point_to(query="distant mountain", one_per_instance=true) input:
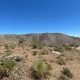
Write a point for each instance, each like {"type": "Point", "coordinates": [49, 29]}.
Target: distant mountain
{"type": "Point", "coordinates": [49, 39]}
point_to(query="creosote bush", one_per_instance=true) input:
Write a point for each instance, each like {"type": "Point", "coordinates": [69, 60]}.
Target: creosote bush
{"type": "Point", "coordinates": [61, 61]}
{"type": "Point", "coordinates": [35, 53]}
{"type": "Point", "coordinates": [58, 48]}
{"type": "Point", "coordinates": [40, 69]}
{"type": "Point", "coordinates": [36, 43]}
{"type": "Point", "coordinates": [67, 48]}
{"type": "Point", "coordinates": [3, 72]}
{"type": "Point", "coordinates": [5, 67]}
{"type": "Point", "coordinates": [62, 48]}
{"type": "Point", "coordinates": [67, 73]}
{"type": "Point", "coordinates": [44, 52]}
{"type": "Point", "coordinates": [8, 63]}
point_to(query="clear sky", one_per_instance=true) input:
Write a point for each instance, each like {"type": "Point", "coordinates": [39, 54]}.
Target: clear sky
{"type": "Point", "coordinates": [38, 16]}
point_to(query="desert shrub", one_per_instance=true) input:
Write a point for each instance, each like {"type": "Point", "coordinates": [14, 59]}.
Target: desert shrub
{"type": "Point", "coordinates": [58, 48]}
{"type": "Point", "coordinates": [6, 46]}
{"type": "Point", "coordinates": [26, 56]}
{"type": "Point", "coordinates": [8, 52]}
{"type": "Point", "coordinates": [67, 72]}
{"type": "Point", "coordinates": [5, 67]}
{"type": "Point", "coordinates": [3, 72]}
{"type": "Point", "coordinates": [8, 63]}
{"type": "Point", "coordinates": [21, 43]}
{"type": "Point", "coordinates": [44, 52]}
{"type": "Point", "coordinates": [61, 61]}
{"type": "Point", "coordinates": [36, 43]}
{"type": "Point", "coordinates": [62, 48]}
{"type": "Point", "coordinates": [75, 45]}
{"type": "Point", "coordinates": [18, 59]}
{"type": "Point", "coordinates": [34, 52]}
{"type": "Point", "coordinates": [34, 46]}
{"type": "Point", "coordinates": [40, 69]}
{"type": "Point", "coordinates": [61, 56]}
{"type": "Point", "coordinates": [63, 77]}
{"type": "Point", "coordinates": [12, 46]}
{"type": "Point", "coordinates": [51, 61]}
{"type": "Point", "coordinates": [49, 66]}
{"type": "Point", "coordinates": [66, 47]}
{"type": "Point", "coordinates": [19, 73]}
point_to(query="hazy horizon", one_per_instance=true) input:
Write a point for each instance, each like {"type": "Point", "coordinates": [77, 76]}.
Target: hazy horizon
{"type": "Point", "coordinates": [39, 33]}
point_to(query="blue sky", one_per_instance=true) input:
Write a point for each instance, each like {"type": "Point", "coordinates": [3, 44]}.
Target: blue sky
{"type": "Point", "coordinates": [39, 16]}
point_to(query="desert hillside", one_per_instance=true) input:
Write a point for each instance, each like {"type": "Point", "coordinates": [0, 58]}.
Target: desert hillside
{"type": "Point", "coordinates": [46, 56]}
{"type": "Point", "coordinates": [49, 39]}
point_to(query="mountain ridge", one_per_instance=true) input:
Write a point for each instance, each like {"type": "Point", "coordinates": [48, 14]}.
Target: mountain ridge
{"type": "Point", "coordinates": [47, 38]}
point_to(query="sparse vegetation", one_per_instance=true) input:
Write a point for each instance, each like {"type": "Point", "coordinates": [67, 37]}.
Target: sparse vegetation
{"type": "Point", "coordinates": [63, 77]}
{"type": "Point", "coordinates": [5, 67]}
{"type": "Point", "coordinates": [67, 72]}
{"type": "Point", "coordinates": [8, 63]}
{"type": "Point", "coordinates": [35, 59]}
{"type": "Point", "coordinates": [61, 61]}
{"type": "Point", "coordinates": [67, 47]}
{"type": "Point", "coordinates": [18, 59]}
{"type": "Point", "coordinates": [3, 72]}
{"type": "Point", "coordinates": [62, 48]}
{"type": "Point", "coordinates": [40, 69]}
{"type": "Point", "coordinates": [21, 43]}
{"type": "Point", "coordinates": [18, 73]}
{"type": "Point", "coordinates": [36, 43]}
{"type": "Point", "coordinates": [43, 52]}
{"type": "Point", "coordinates": [6, 46]}
{"type": "Point", "coordinates": [58, 48]}
{"type": "Point", "coordinates": [35, 52]}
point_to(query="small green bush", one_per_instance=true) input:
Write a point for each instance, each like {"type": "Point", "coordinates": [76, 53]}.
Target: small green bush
{"type": "Point", "coordinates": [49, 66]}
{"type": "Point", "coordinates": [3, 72]}
{"type": "Point", "coordinates": [12, 46]}
{"type": "Point", "coordinates": [44, 52]}
{"type": "Point", "coordinates": [6, 46]}
{"type": "Point", "coordinates": [5, 67]}
{"type": "Point", "coordinates": [62, 48]}
{"type": "Point", "coordinates": [8, 63]}
{"type": "Point", "coordinates": [58, 48]}
{"type": "Point", "coordinates": [36, 43]}
{"type": "Point", "coordinates": [67, 48]}
{"type": "Point", "coordinates": [40, 69]}
{"type": "Point", "coordinates": [34, 46]}
{"type": "Point", "coordinates": [67, 72]}
{"type": "Point", "coordinates": [61, 61]}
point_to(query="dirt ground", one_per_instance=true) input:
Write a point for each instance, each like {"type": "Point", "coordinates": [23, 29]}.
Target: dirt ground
{"type": "Point", "coordinates": [72, 62]}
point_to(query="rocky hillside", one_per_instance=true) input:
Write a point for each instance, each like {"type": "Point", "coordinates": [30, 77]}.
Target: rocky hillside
{"type": "Point", "coordinates": [38, 62]}
{"type": "Point", "coordinates": [48, 38]}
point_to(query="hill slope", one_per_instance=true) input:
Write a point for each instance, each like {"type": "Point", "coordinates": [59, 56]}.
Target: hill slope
{"type": "Point", "coordinates": [48, 38]}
